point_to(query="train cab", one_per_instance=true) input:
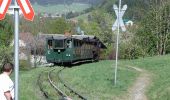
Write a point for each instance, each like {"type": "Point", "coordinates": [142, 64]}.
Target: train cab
{"type": "Point", "coordinates": [58, 50]}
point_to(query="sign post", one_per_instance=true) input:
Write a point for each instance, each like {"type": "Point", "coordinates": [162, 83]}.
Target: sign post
{"type": "Point", "coordinates": [16, 53]}
{"type": "Point", "coordinates": [28, 12]}
{"type": "Point", "coordinates": [118, 23]}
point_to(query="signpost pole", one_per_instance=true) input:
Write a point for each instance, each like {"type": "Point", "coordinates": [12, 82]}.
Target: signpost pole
{"type": "Point", "coordinates": [16, 16]}
{"type": "Point", "coordinates": [117, 41]}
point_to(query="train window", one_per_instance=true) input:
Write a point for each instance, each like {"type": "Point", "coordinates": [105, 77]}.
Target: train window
{"type": "Point", "coordinates": [75, 43]}
{"type": "Point", "coordinates": [78, 43]}
{"type": "Point", "coordinates": [69, 44]}
{"type": "Point", "coordinates": [50, 44]}
{"type": "Point", "coordinates": [59, 44]}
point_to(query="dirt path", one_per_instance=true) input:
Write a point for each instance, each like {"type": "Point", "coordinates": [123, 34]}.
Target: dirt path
{"type": "Point", "coordinates": [137, 91]}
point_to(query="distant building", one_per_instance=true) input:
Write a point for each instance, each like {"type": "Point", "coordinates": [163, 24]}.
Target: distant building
{"type": "Point", "coordinates": [129, 23]}
{"type": "Point", "coordinates": [56, 15]}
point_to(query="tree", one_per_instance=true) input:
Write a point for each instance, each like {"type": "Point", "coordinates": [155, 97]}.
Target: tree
{"type": "Point", "coordinates": [153, 35]}
{"type": "Point", "coordinates": [59, 26]}
{"type": "Point", "coordinates": [6, 31]}
{"type": "Point", "coordinates": [6, 34]}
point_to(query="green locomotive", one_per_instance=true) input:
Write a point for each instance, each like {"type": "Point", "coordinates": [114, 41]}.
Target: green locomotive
{"type": "Point", "coordinates": [61, 49]}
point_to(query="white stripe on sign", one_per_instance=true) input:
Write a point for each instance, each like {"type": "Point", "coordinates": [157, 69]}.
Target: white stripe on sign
{"type": "Point", "coordinates": [3, 5]}
{"type": "Point", "coordinates": [26, 8]}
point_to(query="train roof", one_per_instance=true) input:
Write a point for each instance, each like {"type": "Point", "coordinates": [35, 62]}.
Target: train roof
{"type": "Point", "coordinates": [88, 38]}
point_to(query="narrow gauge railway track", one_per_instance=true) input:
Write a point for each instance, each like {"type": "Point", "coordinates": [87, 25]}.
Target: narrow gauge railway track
{"type": "Point", "coordinates": [63, 94]}
{"type": "Point", "coordinates": [41, 87]}
{"type": "Point", "coordinates": [41, 81]}
{"type": "Point", "coordinates": [55, 86]}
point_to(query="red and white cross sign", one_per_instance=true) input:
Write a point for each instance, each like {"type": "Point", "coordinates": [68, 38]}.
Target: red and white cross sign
{"type": "Point", "coordinates": [4, 4]}
{"type": "Point", "coordinates": [26, 9]}
{"type": "Point", "coordinates": [25, 6]}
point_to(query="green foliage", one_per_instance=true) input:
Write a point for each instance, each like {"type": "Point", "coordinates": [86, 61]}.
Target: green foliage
{"type": "Point", "coordinates": [24, 65]}
{"type": "Point", "coordinates": [6, 31]}
{"type": "Point", "coordinates": [59, 26]}
{"type": "Point", "coordinates": [130, 50]}
{"type": "Point", "coordinates": [46, 25]}
{"type": "Point", "coordinates": [99, 24]}
{"type": "Point", "coordinates": [154, 32]}
{"type": "Point", "coordinates": [6, 54]}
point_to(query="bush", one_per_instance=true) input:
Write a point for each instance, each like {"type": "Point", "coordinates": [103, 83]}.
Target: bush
{"type": "Point", "coordinates": [24, 65]}
{"type": "Point", "coordinates": [6, 54]}
{"type": "Point", "coordinates": [130, 51]}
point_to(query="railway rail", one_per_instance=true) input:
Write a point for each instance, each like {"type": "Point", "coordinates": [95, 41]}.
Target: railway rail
{"type": "Point", "coordinates": [56, 85]}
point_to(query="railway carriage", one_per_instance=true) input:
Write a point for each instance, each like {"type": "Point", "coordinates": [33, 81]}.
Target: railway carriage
{"type": "Point", "coordinates": [61, 49]}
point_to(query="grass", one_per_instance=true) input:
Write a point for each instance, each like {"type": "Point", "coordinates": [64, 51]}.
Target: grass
{"type": "Point", "coordinates": [159, 67]}
{"type": "Point", "coordinates": [93, 80]}
{"type": "Point", "coordinates": [96, 80]}
{"type": "Point", "coordinates": [61, 9]}
{"type": "Point", "coordinates": [28, 87]}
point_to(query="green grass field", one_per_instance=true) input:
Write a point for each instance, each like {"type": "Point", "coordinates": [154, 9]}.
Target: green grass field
{"type": "Point", "coordinates": [61, 9]}
{"type": "Point", "coordinates": [96, 80]}
{"type": "Point", "coordinates": [159, 67]}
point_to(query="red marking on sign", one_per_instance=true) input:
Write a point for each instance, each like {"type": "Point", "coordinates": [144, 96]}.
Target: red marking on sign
{"type": "Point", "coordinates": [26, 9]}
{"type": "Point", "coordinates": [4, 4]}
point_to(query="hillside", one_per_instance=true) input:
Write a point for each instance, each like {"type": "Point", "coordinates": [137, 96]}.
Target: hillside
{"type": "Point", "coordinates": [60, 8]}
{"type": "Point", "coordinates": [136, 8]}
{"type": "Point", "coordinates": [55, 2]}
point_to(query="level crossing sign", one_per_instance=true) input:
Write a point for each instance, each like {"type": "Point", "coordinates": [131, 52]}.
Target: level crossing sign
{"type": "Point", "coordinates": [26, 9]}
{"type": "Point", "coordinates": [4, 4]}
{"type": "Point", "coordinates": [118, 23]}
{"type": "Point", "coordinates": [25, 6]}
{"type": "Point", "coordinates": [119, 17]}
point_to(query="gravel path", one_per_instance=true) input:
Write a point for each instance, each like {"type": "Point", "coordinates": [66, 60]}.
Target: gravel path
{"type": "Point", "coordinates": [137, 91]}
